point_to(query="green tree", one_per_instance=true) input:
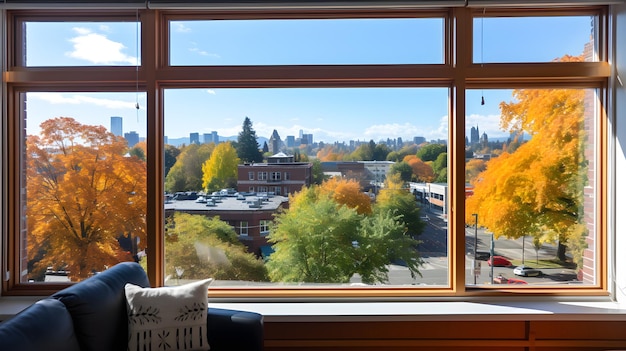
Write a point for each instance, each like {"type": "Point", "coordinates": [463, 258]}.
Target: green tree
{"type": "Point", "coordinates": [440, 163]}
{"type": "Point", "coordinates": [247, 144]}
{"type": "Point", "coordinates": [430, 152]}
{"type": "Point", "coordinates": [171, 153]}
{"type": "Point", "coordinates": [317, 173]}
{"type": "Point", "coordinates": [380, 152]}
{"type": "Point", "coordinates": [402, 204]}
{"type": "Point", "coordinates": [208, 247]}
{"type": "Point", "coordinates": [403, 169]}
{"type": "Point", "coordinates": [220, 170]}
{"type": "Point", "coordinates": [186, 174]}
{"type": "Point", "coordinates": [319, 240]}
{"type": "Point", "coordinates": [83, 193]}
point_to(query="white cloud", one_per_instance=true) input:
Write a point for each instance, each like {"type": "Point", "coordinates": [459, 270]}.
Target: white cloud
{"type": "Point", "coordinates": [180, 27]}
{"type": "Point", "coordinates": [59, 98]}
{"type": "Point", "coordinates": [98, 49]}
{"type": "Point", "coordinates": [210, 91]}
{"type": "Point", "coordinates": [203, 53]}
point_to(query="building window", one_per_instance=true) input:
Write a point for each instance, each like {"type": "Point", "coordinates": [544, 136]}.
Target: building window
{"type": "Point", "coordinates": [265, 226]}
{"type": "Point", "coordinates": [243, 228]}
{"type": "Point", "coordinates": [396, 97]}
{"type": "Point", "coordinates": [275, 176]}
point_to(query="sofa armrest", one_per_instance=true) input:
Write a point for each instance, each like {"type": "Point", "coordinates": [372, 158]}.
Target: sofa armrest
{"type": "Point", "coordinates": [234, 330]}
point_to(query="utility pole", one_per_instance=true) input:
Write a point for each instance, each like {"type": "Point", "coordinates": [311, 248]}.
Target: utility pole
{"type": "Point", "coordinates": [475, 244]}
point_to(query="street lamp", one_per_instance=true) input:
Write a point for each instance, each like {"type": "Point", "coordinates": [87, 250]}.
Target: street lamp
{"type": "Point", "coordinates": [475, 243]}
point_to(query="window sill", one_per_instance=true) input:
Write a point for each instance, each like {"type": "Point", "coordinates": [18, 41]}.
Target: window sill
{"type": "Point", "coordinates": [401, 311]}
{"type": "Point", "coordinates": [430, 311]}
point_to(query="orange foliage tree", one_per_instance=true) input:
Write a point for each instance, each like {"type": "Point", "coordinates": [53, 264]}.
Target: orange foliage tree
{"type": "Point", "coordinates": [83, 193]}
{"type": "Point", "coordinates": [422, 171]}
{"type": "Point", "coordinates": [537, 190]}
{"type": "Point", "coordinates": [328, 153]}
{"type": "Point", "coordinates": [348, 193]}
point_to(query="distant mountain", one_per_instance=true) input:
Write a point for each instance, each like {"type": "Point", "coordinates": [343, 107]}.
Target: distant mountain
{"type": "Point", "coordinates": [185, 140]}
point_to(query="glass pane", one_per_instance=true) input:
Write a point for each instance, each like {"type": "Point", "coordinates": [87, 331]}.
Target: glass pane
{"type": "Point", "coordinates": [313, 41]}
{"type": "Point", "coordinates": [304, 195]}
{"type": "Point", "coordinates": [533, 39]}
{"type": "Point", "coordinates": [82, 44]}
{"type": "Point", "coordinates": [84, 180]}
{"type": "Point", "coordinates": [531, 187]}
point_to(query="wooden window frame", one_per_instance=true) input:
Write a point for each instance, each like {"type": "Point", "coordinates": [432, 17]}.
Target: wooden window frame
{"type": "Point", "coordinates": [457, 74]}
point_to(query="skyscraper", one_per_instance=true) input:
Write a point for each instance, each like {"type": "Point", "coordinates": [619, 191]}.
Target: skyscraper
{"type": "Point", "coordinates": [116, 126]}
{"type": "Point", "coordinates": [194, 138]}
{"type": "Point", "coordinates": [132, 138]}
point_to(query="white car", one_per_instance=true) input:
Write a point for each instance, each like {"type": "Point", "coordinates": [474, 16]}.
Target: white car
{"type": "Point", "coordinates": [526, 271]}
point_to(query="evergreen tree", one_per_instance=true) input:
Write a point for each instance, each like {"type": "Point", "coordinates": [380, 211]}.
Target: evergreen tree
{"type": "Point", "coordinates": [247, 145]}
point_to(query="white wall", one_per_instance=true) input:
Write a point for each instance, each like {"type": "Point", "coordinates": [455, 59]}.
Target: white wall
{"type": "Point", "coordinates": [618, 271]}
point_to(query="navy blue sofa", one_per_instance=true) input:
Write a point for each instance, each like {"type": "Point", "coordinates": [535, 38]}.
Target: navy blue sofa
{"type": "Point", "coordinates": [91, 315]}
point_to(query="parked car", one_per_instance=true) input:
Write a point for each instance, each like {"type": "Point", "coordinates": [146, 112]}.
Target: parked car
{"type": "Point", "coordinates": [526, 271]}
{"type": "Point", "coordinates": [499, 261]}
{"type": "Point", "coordinates": [500, 279]}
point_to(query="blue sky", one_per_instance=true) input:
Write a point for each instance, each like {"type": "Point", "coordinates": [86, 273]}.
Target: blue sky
{"type": "Point", "coordinates": [328, 114]}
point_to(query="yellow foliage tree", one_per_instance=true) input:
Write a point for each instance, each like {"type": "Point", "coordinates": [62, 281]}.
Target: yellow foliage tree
{"type": "Point", "coordinates": [220, 170]}
{"type": "Point", "coordinates": [538, 189]}
{"type": "Point", "coordinates": [82, 195]}
{"type": "Point", "coordinates": [473, 168]}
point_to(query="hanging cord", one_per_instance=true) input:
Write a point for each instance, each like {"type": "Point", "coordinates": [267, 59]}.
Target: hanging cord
{"type": "Point", "coordinates": [137, 62]}
{"type": "Point", "coordinates": [482, 45]}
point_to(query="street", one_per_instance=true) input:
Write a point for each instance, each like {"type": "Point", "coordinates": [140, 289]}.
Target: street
{"type": "Point", "coordinates": [434, 252]}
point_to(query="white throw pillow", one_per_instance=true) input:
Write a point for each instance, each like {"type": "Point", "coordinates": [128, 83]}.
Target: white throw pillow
{"type": "Point", "coordinates": [168, 318]}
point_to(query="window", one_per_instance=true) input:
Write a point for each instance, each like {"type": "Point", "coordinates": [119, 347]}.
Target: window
{"type": "Point", "coordinates": [265, 226]}
{"type": "Point", "coordinates": [243, 228]}
{"type": "Point", "coordinates": [383, 113]}
{"type": "Point", "coordinates": [278, 42]}
{"type": "Point", "coordinates": [81, 43]}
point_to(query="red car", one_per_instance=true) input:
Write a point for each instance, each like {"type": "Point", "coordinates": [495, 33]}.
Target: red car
{"type": "Point", "coordinates": [500, 279]}
{"type": "Point", "coordinates": [498, 261]}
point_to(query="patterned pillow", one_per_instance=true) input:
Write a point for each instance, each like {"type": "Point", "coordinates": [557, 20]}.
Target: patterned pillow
{"type": "Point", "coordinates": [168, 318]}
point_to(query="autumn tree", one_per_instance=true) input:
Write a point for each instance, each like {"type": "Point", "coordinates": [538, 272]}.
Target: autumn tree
{"type": "Point", "coordinates": [328, 153]}
{"type": "Point", "coordinates": [83, 193]}
{"type": "Point", "coordinates": [537, 190]}
{"type": "Point", "coordinates": [474, 167]}
{"type": "Point", "coordinates": [346, 192]}
{"type": "Point", "coordinates": [422, 171]}
{"type": "Point", "coordinates": [186, 174]}
{"type": "Point", "coordinates": [139, 150]}
{"type": "Point", "coordinates": [247, 145]}
{"type": "Point", "coordinates": [399, 155]}
{"type": "Point", "coordinates": [220, 170]}
{"type": "Point", "coordinates": [319, 240]}
{"type": "Point", "coordinates": [208, 247]}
